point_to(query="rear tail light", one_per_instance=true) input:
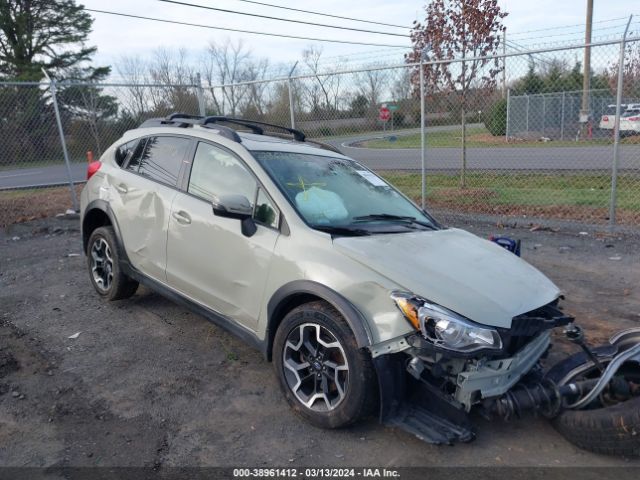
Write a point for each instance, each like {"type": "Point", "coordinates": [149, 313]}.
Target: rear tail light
{"type": "Point", "coordinates": [633, 119]}
{"type": "Point", "coordinates": [605, 119]}
{"type": "Point", "coordinates": [93, 168]}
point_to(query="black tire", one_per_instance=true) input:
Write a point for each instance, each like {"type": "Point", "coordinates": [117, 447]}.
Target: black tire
{"type": "Point", "coordinates": [613, 430]}
{"type": "Point", "coordinates": [120, 286]}
{"type": "Point", "coordinates": [360, 395]}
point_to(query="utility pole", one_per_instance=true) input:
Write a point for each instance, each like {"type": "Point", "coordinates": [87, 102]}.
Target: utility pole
{"type": "Point", "coordinates": [586, 81]}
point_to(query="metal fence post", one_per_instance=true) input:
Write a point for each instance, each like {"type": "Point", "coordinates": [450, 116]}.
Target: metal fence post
{"type": "Point", "coordinates": [291, 110]}
{"type": "Point", "coordinates": [54, 99]}
{"type": "Point", "coordinates": [508, 108]}
{"type": "Point", "coordinates": [527, 116]}
{"type": "Point", "coordinates": [200, 94]}
{"type": "Point", "coordinates": [562, 118]}
{"type": "Point", "coordinates": [290, 89]}
{"type": "Point", "coordinates": [616, 131]}
{"type": "Point", "coordinates": [423, 120]}
{"type": "Point", "coordinates": [544, 112]}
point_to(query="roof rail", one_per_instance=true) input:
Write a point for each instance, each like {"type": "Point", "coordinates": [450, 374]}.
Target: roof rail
{"type": "Point", "coordinates": [186, 116]}
{"type": "Point", "coordinates": [184, 120]}
{"type": "Point", "coordinates": [255, 126]}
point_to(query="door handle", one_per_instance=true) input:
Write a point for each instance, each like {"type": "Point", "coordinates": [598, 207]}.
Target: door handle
{"type": "Point", "coordinates": [122, 188]}
{"type": "Point", "coordinates": [182, 217]}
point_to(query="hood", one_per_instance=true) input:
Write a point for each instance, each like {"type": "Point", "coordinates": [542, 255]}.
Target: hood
{"type": "Point", "coordinates": [457, 270]}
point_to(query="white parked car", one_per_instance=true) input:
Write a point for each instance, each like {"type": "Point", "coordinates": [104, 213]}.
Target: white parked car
{"type": "Point", "coordinates": [630, 119]}
{"type": "Point", "coordinates": [608, 120]}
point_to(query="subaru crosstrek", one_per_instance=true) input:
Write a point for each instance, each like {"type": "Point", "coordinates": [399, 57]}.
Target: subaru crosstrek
{"type": "Point", "coordinates": [362, 300]}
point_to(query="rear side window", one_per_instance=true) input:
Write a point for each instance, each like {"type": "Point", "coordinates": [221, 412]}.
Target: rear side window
{"type": "Point", "coordinates": [162, 158]}
{"type": "Point", "coordinates": [134, 161]}
{"type": "Point", "coordinates": [123, 151]}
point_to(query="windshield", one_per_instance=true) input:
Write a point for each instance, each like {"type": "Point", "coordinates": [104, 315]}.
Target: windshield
{"type": "Point", "coordinates": [340, 195]}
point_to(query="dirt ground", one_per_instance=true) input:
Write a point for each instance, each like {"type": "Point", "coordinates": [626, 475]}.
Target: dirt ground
{"type": "Point", "coordinates": [146, 383]}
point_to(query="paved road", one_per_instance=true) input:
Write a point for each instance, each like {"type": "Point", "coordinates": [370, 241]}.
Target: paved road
{"type": "Point", "coordinates": [497, 158]}
{"type": "Point", "coordinates": [41, 176]}
{"type": "Point", "coordinates": [490, 158]}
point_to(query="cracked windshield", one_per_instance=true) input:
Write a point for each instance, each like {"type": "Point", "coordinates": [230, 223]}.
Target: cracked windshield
{"type": "Point", "coordinates": [334, 194]}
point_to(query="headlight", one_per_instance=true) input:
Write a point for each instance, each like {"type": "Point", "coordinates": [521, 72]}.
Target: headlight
{"type": "Point", "coordinates": [444, 328]}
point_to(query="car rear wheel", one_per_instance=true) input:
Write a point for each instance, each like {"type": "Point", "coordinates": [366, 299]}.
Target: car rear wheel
{"type": "Point", "coordinates": [325, 377]}
{"type": "Point", "coordinates": [103, 259]}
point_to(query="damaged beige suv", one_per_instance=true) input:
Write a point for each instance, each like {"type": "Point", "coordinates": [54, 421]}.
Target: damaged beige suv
{"type": "Point", "coordinates": [361, 299]}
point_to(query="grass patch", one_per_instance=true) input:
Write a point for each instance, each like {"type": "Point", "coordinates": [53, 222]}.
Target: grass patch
{"type": "Point", "coordinates": [29, 204]}
{"type": "Point", "coordinates": [487, 190]}
{"type": "Point", "coordinates": [480, 137]}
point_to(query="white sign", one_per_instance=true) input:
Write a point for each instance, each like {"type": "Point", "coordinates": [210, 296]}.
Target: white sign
{"type": "Point", "coordinates": [372, 179]}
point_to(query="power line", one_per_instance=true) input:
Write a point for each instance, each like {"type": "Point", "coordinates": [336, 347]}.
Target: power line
{"type": "Point", "coordinates": [244, 31]}
{"type": "Point", "coordinates": [323, 14]}
{"type": "Point", "coordinates": [282, 19]}
{"type": "Point", "coordinates": [574, 33]}
{"type": "Point", "coordinates": [567, 26]}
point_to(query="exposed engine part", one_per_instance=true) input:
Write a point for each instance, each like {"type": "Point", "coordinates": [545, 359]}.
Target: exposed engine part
{"type": "Point", "coordinates": [544, 397]}
{"type": "Point", "coordinates": [415, 367]}
{"type": "Point", "coordinates": [575, 334]}
{"type": "Point", "coordinates": [607, 375]}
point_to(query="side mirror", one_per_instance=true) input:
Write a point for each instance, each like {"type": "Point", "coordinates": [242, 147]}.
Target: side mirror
{"type": "Point", "coordinates": [236, 206]}
{"type": "Point", "coordinates": [232, 206]}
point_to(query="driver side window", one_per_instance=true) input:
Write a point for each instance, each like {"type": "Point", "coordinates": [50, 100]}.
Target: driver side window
{"type": "Point", "coordinates": [215, 172]}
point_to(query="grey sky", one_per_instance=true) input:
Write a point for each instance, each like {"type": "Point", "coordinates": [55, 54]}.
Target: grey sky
{"type": "Point", "coordinates": [117, 36]}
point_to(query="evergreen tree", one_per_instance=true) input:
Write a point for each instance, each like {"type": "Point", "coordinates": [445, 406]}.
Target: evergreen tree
{"type": "Point", "coordinates": [36, 34]}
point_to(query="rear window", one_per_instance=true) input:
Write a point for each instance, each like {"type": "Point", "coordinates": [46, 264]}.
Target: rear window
{"type": "Point", "coordinates": [161, 159]}
{"type": "Point", "coordinates": [123, 151]}
{"type": "Point", "coordinates": [631, 113]}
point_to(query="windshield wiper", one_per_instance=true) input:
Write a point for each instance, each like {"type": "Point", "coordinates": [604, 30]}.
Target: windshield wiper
{"type": "Point", "coordinates": [390, 217]}
{"type": "Point", "coordinates": [347, 231]}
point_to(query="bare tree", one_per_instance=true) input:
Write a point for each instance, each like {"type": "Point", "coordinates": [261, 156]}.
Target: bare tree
{"type": "Point", "coordinates": [631, 71]}
{"type": "Point", "coordinates": [224, 64]}
{"type": "Point", "coordinates": [324, 91]}
{"type": "Point", "coordinates": [401, 87]}
{"type": "Point", "coordinates": [135, 96]}
{"type": "Point", "coordinates": [172, 71]}
{"type": "Point", "coordinates": [257, 92]}
{"type": "Point", "coordinates": [371, 84]}
{"type": "Point", "coordinates": [465, 29]}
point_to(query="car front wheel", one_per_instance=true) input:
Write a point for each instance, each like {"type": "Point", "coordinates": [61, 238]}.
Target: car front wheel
{"type": "Point", "coordinates": [325, 377]}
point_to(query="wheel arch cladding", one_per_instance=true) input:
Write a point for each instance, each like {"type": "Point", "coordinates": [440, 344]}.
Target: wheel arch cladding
{"type": "Point", "coordinates": [299, 292]}
{"type": "Point", "coordinates": [98, 214]}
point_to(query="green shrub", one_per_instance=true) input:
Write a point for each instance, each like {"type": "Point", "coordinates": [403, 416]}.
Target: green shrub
{"type": "Point", "coordinates": [496, 118]}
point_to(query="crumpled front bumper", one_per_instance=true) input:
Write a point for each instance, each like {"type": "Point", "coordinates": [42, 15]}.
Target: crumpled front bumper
{"type": "Point", "coordinates": [492, 378]}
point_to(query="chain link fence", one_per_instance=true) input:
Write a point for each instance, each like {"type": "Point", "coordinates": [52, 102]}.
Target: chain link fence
{"type": "Point", "coordinates": [509, 137]}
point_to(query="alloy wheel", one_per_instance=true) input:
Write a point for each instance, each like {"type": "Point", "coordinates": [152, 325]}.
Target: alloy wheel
{"type": "Point", "coordinates": [315, 367]}
{"type": "Point", "coordinates": [102, 264]}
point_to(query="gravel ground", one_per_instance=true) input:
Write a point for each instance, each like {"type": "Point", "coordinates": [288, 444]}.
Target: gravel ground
{"type": "Point", "coordinates": [147, 383]}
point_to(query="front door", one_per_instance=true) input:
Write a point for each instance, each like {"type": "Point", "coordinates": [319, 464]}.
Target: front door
{"type": "Point", "coordinates": [208, 258]}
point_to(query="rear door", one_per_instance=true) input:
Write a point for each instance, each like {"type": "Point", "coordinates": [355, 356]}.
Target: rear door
{"type": "Point", "coordinates": [144, 191]}
{"type": "Point", "coordinates": [208, 258]}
